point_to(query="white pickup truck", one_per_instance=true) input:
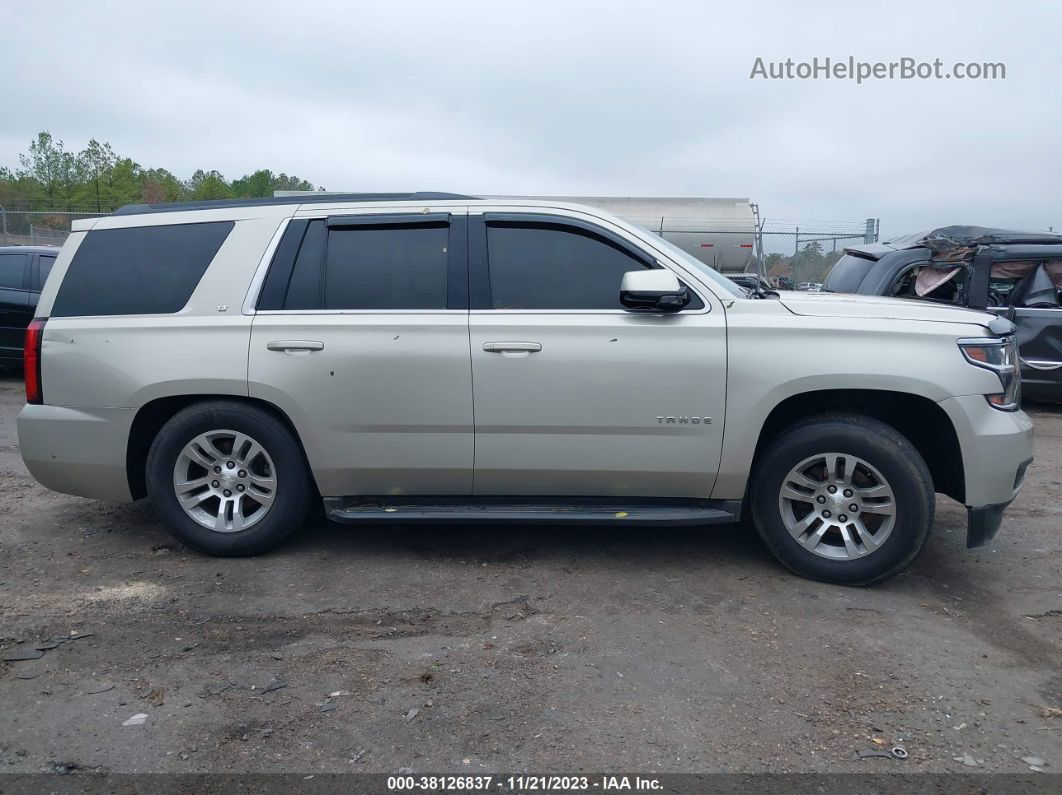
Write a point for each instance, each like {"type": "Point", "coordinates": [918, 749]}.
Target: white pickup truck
{"type": "Point", "coordinates": [440, 358]}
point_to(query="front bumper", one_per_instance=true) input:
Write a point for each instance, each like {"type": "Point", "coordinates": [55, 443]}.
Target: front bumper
{"type": "Point", "coordinates": [996, 451]}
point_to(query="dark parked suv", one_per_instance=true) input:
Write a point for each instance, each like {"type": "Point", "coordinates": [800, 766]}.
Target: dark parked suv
{"type": "Point", "coordinates": [1014, 274]}
{"type": "Point", "coordinates": [23, 271]}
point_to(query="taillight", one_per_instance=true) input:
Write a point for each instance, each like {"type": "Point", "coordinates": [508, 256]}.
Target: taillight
{"type": "Point", "coordinates": [31, 360]}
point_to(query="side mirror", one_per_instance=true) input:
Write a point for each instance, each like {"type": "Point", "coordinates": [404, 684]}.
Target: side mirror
{"type": "Point", "coordinates": [657, 290]}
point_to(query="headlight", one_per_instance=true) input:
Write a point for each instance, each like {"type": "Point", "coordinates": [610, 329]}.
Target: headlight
{"type": "Point", "coordinates": [1000, 355]}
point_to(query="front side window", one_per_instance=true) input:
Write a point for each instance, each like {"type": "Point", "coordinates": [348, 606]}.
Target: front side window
{"type": "Point", "coordinates": [549, 266]}
{"type": "Point", "coordinates": [12, 270]}
{"type": "Point", "coordinates": [140, 270]}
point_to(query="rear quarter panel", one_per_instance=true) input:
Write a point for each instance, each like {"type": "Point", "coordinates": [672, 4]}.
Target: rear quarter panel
{"type": "Point", "coordinates": [128, 360]}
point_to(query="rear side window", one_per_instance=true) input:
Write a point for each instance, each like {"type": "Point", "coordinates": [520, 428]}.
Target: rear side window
{"type": "Point", "coordinates": [387, 267]}
{"type": "Point", "coordinates": [369, 264]}
{"type": "Point", "coordinates": [45, 267]}
{"type": "Point", "coordinates": [13, 270]}
{"type": "Point", "coordinates": [142, 270]}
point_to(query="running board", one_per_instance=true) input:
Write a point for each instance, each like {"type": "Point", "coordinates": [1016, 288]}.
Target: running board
{"type": "Point", "coordinates": [510, 510]}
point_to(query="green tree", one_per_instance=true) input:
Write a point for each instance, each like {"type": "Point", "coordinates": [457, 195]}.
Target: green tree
{"type": "Point", "coordinates": [263, 182]}
{"type": "Point", "coordinates": [54, 169]}
{"type": "Point", "coordinates": [158, 186]}
{"type": "Point", "coordinates": [98, 161]}
{"type": "Point", "coordinates": [98, 178]}
{"type": "Point", "coordinates": [208, 185]}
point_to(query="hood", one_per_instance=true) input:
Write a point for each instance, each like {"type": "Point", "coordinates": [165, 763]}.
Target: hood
{"type": "Point", "coordinates": [869, 306]}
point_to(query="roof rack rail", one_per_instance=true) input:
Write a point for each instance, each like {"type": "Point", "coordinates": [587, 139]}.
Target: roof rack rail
{"type": "Point", "coordinates": [140, 209]}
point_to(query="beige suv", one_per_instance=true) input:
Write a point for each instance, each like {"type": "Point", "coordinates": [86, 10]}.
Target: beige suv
{"type": "Point", "coordinates": [440, 358]}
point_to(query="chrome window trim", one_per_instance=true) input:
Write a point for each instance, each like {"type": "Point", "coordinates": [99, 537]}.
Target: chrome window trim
{"type": "Point", "coordinates": [326, 312]}
{"type": "Point", "coordinates": [1036, 309]}
{"type": "Point", "coordinates": [623, 312]}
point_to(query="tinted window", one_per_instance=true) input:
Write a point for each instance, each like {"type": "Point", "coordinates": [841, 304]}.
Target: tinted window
{"type": "Point", "coordinates": [539, 266]}
{"type": "Point", "coordinates": [45, 267]}
{"type": "Point", "coordinates": [138, 270]}
{"type": "Point", "coordinates": [304, 289]}
{"type": "Point", "coordinates": [12, 269]}
{"type": "Point", "coordinates": [399, 266]}
{"type": "Point", "coordinates": [848, 273]}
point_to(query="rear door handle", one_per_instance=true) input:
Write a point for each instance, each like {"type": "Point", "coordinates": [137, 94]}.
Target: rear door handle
{"type": "Point", "coordinates": [512, 347]}
{"type": "Point", "coordinates": [289, 346]}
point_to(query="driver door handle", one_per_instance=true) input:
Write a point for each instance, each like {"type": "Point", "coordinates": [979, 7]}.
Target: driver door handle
{"type": "Point", "coordinates": [512, 347]}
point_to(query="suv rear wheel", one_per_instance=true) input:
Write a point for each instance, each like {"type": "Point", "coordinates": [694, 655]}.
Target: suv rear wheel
{"type": "Point", "coordinates": [228, 479]}
{"type": "Point", "coordinates": [843, 498]}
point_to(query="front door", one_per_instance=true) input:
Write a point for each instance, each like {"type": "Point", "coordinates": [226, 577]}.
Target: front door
{"type": "Point", "coordinates": [361, 337]}
{"type": "Point", "coordinates": [573, 394]}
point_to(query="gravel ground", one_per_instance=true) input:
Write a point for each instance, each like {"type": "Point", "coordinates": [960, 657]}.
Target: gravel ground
{"type": "Point", "coordinates": [452, 650]}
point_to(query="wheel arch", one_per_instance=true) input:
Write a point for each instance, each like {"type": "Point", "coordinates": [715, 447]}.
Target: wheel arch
{"type": "Point", "coordinates": [154, 414]}
{"type": "Point", "coordinates": [925, 424]}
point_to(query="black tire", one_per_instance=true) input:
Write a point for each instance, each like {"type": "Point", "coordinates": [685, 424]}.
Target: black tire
{"type": "Point", "coordinates": [877, 444]}
{"type": "Point", "coordinates": [294, 493]}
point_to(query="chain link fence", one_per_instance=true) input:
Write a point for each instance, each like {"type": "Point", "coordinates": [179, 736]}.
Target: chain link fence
{"type": "Point", "coordinates": [799, 256]}
{"type": "Point", "coordinates": [37, 228]}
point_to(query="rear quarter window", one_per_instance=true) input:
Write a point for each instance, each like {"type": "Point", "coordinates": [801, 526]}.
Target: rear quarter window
{"type": "Point", "coordinates": [848, 273]}
{"type": "Point", "coordinates": [142, 270]}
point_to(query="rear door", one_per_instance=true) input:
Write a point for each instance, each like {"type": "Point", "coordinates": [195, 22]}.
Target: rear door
{"type": "Point", "coordinates": [15, 311]}
{"type": "Point", "coordinates": [361, 337]}
{"type": "Point", "coordinates": [573, 394]}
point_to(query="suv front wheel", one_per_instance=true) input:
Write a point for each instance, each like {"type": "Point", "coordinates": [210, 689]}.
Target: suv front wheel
{"type": "Point", "coordinates": [843, 498]}
{"type": "Point", "coordinates": [228, 479]}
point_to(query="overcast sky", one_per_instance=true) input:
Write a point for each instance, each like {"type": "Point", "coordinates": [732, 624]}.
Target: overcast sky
{"type": "Point", "coordinates": [589, 98]}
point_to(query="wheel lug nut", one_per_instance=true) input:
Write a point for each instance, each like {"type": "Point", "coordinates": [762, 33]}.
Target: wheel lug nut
{"type": "Point", "coordinates": [214, 483]}
{"type": "Point", "coordinates": [230, 464]}
{"type": "Point", "coordinates": [227, 493]}
{"type": "Point", "coordinates": [842, 518]}
{"type": "Point", "coordinates": [827, 514]}
{"type": "Point", "coordinates": [217, 470]}
{"type": "Point", "coordinates": [820, 499]}
{"type": "Point", "coordinates": [847, 492]}
{"type": "Point", "coordinates": [853, 507]}
{"type": "Point", "coordinates": [239, 488]}
{"type": "Point", "coordinates": [831, 489]}
{"type": "Point", "coordinates": [243, 473]}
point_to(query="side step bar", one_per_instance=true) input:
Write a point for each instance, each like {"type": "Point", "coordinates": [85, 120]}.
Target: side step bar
{"type": "Point", "coordinates": [513, 510]}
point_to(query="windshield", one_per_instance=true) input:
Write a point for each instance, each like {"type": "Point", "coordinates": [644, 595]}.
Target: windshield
{"type": "Point", "coordinates": [695, 264]}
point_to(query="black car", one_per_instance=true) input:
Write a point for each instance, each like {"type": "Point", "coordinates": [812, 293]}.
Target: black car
{"type": "Point", "coordinates": [23, 271]}
{"type": "Point", "coordinates": [1016, 274]}
{"type": "Point", "coordinates": [750, 281]}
